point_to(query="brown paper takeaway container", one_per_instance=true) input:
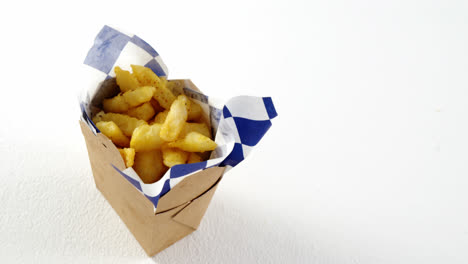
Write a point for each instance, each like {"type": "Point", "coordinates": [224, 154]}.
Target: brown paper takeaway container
{"type": "Point", "coordinates": [179, 211]}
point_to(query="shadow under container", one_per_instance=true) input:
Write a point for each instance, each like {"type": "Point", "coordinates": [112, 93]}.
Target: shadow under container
{"type": "Point", "coordinates": [179, 212]}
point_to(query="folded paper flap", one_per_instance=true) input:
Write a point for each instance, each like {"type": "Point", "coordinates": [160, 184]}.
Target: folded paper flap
{"type": "Point", "coordinates": [192, 214]}
{"type": "Point", "coordinates": [190, 188]}
{"type": "Point", "coordinates": [173, 212]}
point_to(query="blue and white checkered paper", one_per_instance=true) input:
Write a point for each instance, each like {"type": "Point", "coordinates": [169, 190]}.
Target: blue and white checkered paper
{"type": "Point", "coordinates": [238, 124]}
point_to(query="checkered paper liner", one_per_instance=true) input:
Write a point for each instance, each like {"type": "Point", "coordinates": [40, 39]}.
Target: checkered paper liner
{"type": "Point", "coordinates": [238, 124]}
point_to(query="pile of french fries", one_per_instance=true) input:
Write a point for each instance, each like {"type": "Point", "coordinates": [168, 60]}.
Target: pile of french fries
{"type": "Point", "coordinates": [152, 128]}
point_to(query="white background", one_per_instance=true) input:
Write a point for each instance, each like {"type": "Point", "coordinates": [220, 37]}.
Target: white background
{"type": "Point", "coordinates": [366, 163]}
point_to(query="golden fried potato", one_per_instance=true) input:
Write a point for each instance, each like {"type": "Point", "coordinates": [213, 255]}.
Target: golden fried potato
{"type": "Point", "coordinates": [173, 156]}
{"type": "Point", "coordinates": [194, 111]}
{"type": "Point", "coordinates": [194, 142]}
{"type": "Point", "coordinates": [146, 138]}
{"type": "Point", "coordinates": [163, 80]}
{"type": "Point", "coordinates": [175, 120]}
{"type": "Point", "coordinates": [147, 77]}
{"type": "Point", "coordinates": [194, 158]}
{"type": "Point", "coordinates": [125, 80]}
{"type": "Point", "coordinates": [117, 104]}
{"type": "Point", "coordinates": [143, 112]}
{"type": "Point", "coordinates": [164, 97]}
{"type": "Point", "coordinates": [161, 117]}
{"type": "Point", "coordinates": [113, 132]}
{"type": "Point", "coordinates": [128, 155]}
{"type": "Point", "coordinates": [98, 117]}
{"type": "Point", "coordinates": [139, 96]}
{"type": "Point", "coordinates": [201, 128]}
{"type": "Point", "coordinates": [126, 123]}
{"type": "Point", "coordinates": [149, 165]}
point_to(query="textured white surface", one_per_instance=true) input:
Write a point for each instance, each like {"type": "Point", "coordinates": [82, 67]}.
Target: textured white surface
{"type": "Point", "coordinates": [372, 101]}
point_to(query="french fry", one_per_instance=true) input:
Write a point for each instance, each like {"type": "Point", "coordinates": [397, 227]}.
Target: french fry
{"type": "Point", "coordinates": [143, 112]}
{"type": "Point", "coordinates": [194, 158]}
{"type": "Point", "coordinates": [163, 80]}
{"type": "Point", "coordinates": [126, 123]}
{"type": "Point", "coordinates": [194, 142]}
{"type": "Point", "coordinates": [194, 111]}
{"type": "Point", "coordinates": [161, 117]}
{"type": "Point", "coordinates": [113, 132]}
{"type": "Point", "coordinates": [164, 97]}
{"type": "Point", "coordinates": [98, 117]}
{"type": "Point", "coordinates": [173, 156]}
{"type": "Point", "coordinates": [128, 155]}
{"type": "Point", "coordinates": [201, 128]}
{"type": "Point", "coordinates": [149, 165]}
{"type": "Point", "coordinates": [146, 138]}
{"type": "Point", "coordinates": [147, 77]}
{"type": "Point", "coordinates": [175, 119]}
{"type": "Point", "coordinates": [125, 80]}
{"type": "Point", "coordinates": [138, 96]}
{"type": "Point", "coordinates": [117, 104]}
